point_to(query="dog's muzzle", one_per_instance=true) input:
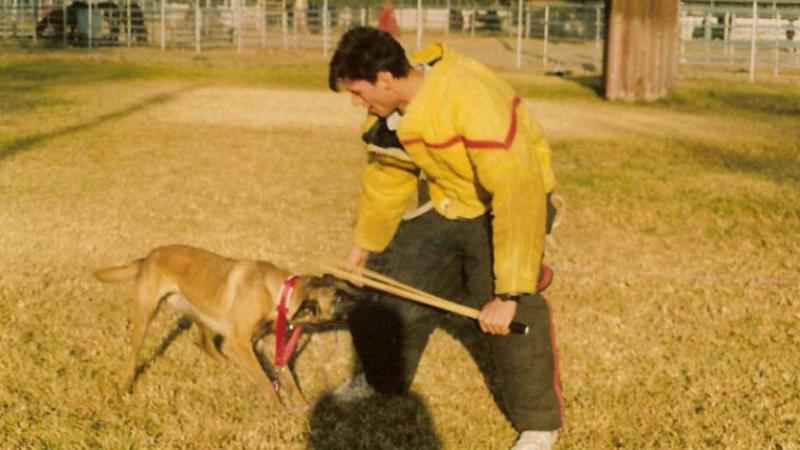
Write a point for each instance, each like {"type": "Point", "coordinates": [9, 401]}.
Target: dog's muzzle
{"type": "Point", "coordinates": [309, 308]}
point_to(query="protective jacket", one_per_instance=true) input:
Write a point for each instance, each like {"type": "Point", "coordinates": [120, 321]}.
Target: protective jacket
{"type": "Point", "coordinates": [472, 138]}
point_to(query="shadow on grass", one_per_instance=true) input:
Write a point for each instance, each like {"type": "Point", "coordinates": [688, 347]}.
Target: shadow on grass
{"type": "Point", "coordinates": [781, 169]}
{"type": "Point", "coordinates": [378, 422]}
{"type": "Point", "coordinates": [28, 84]}
{"type": "Point", "coordinates": [593, 83]}
{"type": "Point", "coordinates": [390, 421]}
{"type": "Point", "coordinates": [29, 142]}
{"type": "Point", "coordinates": [779, 104]}
{"type": "Point", "coordinates": [182, 325]}
{"type": "Point", "coordinates": [772, 101]}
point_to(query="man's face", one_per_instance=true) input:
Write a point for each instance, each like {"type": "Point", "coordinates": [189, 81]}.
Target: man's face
{"type": "Point", "coordinates": [376, 97]}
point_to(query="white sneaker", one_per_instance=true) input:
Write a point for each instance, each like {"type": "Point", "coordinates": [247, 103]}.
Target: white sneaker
{"type": "Point", "coordinates": [536, 440]}
{"type": "Point", "coordinates": [357, 388]}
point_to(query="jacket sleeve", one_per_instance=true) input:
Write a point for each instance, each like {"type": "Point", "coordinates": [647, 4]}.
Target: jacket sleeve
{"type": "Point", "coordinates": [506, 164]}
{"type": "Point", "coordinates": [543, 152]}
{"type": "Point", "coordinates": [388, 185]}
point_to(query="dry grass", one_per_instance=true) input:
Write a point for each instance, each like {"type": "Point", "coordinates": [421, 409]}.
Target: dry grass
{"type": "Point", "coordinates": [676, 294]}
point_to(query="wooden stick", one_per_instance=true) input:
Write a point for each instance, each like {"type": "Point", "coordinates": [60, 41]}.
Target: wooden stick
{"type": "Point", "coordinates": [394, 287]}
{"type": "Point", "coordinates": [388, 280]}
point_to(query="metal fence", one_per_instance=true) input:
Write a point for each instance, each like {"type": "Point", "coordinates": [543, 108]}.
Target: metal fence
{"type": "Point", "coordinates": [764, 34]}
{"type": "Point", "coordinates": [717, 33]}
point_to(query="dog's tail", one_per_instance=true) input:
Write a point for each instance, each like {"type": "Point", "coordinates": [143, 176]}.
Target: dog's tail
{"type": "Point", "coordinates": [122, 273]}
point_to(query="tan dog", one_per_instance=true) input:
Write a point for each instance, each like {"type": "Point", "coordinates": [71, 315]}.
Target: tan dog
{"type": "Point", "coordinates": [232, 298]}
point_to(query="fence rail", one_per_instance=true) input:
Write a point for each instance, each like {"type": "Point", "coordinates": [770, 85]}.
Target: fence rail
{"type": "Point", "coordinates": [721, 33]}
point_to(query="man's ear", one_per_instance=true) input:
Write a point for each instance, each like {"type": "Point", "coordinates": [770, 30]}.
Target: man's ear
{"type": "Point", "coordinates": [384, 79]}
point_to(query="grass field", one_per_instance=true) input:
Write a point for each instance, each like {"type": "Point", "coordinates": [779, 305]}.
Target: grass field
{"type": "Point", "coordinates": [677, 269]}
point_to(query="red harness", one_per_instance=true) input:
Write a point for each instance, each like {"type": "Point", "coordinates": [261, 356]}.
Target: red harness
{"type": "Point", "coordinates": [284, 350]}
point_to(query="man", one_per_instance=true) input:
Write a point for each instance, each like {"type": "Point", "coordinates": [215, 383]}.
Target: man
{"type": "Point", "coordinates": [451, 129]}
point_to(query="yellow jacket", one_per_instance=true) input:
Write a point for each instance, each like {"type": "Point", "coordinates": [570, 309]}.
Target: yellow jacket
{"type": "Point", "coordinates": [475, 142]}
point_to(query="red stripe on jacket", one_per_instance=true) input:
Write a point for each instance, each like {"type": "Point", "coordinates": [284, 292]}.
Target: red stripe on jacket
{"type": "Point", "coordinates": [483, 145]}
{"type": "Point", "coordinates": [556, 363]}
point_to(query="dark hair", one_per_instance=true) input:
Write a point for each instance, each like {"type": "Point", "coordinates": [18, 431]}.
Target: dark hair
{"type": "Point", "coordinates": [362, 52]}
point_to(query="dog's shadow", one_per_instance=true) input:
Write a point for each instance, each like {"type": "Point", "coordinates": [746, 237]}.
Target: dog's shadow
{"type": "Point", "coordinates": [184, 323]}
{"type": "Point", "coordinates": [377, 422]}
{"type": "Point", "coordinates": [181, 326]}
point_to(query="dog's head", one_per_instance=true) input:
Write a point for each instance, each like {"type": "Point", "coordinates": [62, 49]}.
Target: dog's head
{"type": "Point", "coordinates": [325, 298]}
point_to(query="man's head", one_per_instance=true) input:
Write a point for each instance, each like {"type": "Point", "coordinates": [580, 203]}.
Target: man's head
{"type": "Point", "coordinates": [366, 62]}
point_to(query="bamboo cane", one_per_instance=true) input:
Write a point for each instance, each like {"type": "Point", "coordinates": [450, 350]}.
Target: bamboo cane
{"type": "Point", "coordinates": [386, 284]}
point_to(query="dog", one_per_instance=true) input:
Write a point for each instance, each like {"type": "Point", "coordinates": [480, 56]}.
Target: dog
{"type": "Point", "coordinates": [235, 299]}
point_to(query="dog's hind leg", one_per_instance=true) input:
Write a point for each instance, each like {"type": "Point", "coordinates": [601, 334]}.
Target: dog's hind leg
{"type": "Point", "coordinates": [205, 340]}
{"type": "Point", "coordinates": [145, 306]}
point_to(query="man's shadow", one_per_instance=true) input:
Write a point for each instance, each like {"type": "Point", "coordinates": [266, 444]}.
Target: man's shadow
{"type": "Point", "coordinates": [392, 421]}
{"type": "Point", "coordinates": [378, 421]}
{"type": "Point", "coordinates": [400, 421]}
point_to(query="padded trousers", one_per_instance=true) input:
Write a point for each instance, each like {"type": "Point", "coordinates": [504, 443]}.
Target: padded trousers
{"type": "Point", "coordinates": [453, 259]}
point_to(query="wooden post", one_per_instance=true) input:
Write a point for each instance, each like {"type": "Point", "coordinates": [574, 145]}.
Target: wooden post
{"type": "Point", "coordinates": [419, 24]}
{"type": "Point", "coordinates": [129, 21]}
{"type": "Point", "coordinates": [163, 25]}
{"type": "Point", "coordinates": [262, 26]}
{"type": "Point", "coordinates": [472, 22]}
{"type": "Point", "coordinates": [284, 25]}
{"type": "Point", "coordinates": [447, 19]}
{"type": "Point", "coordinates": [35, 18]}
{"type": "Point", "coordinates": [91, 25]}
{"type": "Point", "coordinates": [545, 34]}
{"type": "Point", "coordinates": [197, 26]}
{"type": "Point", "coordinates": [325, 29]}
{"type": "Point", "coordinates": [519, 34]}
{"type": "Point", "coordinates": [64, 20]}
{"type": "Point", "coordinates": [753, 41]}
{"type": "Point", "coordinates": [777, 18]}
{"type": "Point", "coordinates": [239, 24]}
{"type": "Point", "coordinates": [527, 24]}
{"type": "Point", "coordinates": [640, 49]}
{"type": "Point", "coordinates": [726, 35]}
{"type": "Point", "coordinates": [598, 39]}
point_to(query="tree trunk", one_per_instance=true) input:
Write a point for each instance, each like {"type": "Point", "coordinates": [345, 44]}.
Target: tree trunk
{"type": "Point", "coordinates": [640, 56]}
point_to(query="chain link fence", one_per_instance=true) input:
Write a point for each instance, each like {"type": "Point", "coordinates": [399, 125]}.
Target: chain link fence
{"type": "Point", "coordinates": [533, 34]}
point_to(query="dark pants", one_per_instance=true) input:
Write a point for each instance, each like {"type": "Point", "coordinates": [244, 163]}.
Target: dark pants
{"type": "Point", "coordinates": [453, 259]}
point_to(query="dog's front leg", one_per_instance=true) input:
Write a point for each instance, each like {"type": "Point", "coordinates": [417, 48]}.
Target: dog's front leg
{"type": "Point", "coordinates": [240, 349]}
{"type": "Point", "coordinates": [294, 397]}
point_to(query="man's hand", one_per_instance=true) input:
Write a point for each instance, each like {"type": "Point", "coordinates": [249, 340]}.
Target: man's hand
{"type": "Point", "coordinates": [357, 257]}
{"type": "Point", "coordinates": [496, 316]}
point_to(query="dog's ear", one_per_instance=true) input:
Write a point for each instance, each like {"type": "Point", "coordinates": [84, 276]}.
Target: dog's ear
{"type": "Point", "coordinates": [315, 287]}
{"type": "Point", "coordinates": [328, 280]}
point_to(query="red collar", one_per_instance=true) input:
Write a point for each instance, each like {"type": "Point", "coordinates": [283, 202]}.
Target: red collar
{"type": "Point", "coordinates": [283, 349]}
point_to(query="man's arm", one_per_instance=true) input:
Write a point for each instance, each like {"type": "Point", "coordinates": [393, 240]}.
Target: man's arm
{"type": "Point", "coordinates": [388, 185]}
{"type": "Point", "coordinates": [506, 164]}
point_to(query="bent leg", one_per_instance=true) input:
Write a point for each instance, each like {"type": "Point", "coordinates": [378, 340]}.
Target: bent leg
{"type": "Point", "coordinates": [390, 333]}
{"type": "Point", "coordinates": [526, 369]}
{"type": "Point", "coordinates": [523, 368]}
